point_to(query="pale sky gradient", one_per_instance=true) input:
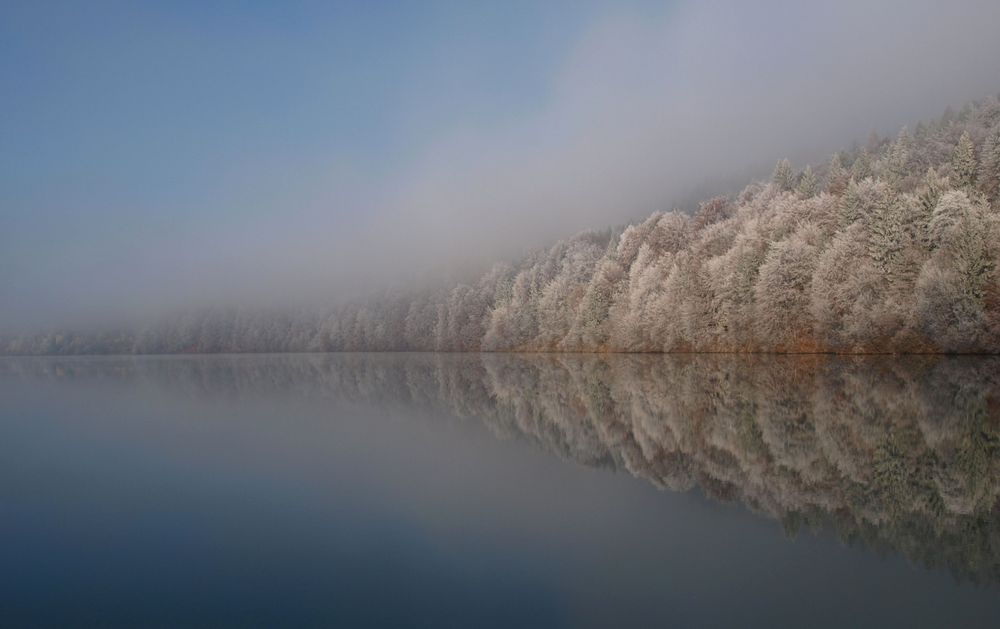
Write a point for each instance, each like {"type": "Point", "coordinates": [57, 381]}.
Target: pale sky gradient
{"type": "Point", "coordinates": [162, 155]}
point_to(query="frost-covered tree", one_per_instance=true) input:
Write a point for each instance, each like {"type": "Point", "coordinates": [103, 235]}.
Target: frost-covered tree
{"type": "Point", "coordinates": [732, 278]}
{"type": "Point", "coordinates": [862, 166]}
{"type": "Point", "coordinates": [875, 203]}
{"type": "Point", "coordinates": [953, 213]}
{"type": "Point", "coordinates": [954, 282]}
{"type": "Point", "coordinates": [844, 289]}
{"type": "Point", "coordinates": [963, 162]}
{"type": "Point", "coordinates": [933, 187]}
{"type": "Point", "coordinates": [836, 176]}
{"type": "Point", "coordinates": [989, 166]}
{"type": "Point", "coordinates": [898, 158]}
{"type": "Point", "coordinates": [807, 183]}
{"type": "Point", "coordinates": [783, 176]}
{"type": "Point", "coordinates": [782, 294]}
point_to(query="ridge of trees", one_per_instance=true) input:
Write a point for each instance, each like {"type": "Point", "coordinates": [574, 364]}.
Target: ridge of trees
{"type": "Point", "coordinates": [890, 247]}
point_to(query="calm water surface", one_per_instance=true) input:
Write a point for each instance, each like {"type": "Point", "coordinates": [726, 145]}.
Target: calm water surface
{"type": "Point", "coordinates": [508, 491]}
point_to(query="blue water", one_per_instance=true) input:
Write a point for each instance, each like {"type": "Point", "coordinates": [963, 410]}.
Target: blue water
{"type": "Point", "coordinates": [499, 491]}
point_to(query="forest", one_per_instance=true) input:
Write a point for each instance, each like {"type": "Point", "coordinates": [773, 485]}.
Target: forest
{"type": "Point", "coordinates": [890, 247]}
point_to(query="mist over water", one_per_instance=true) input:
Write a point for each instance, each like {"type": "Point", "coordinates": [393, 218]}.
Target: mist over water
{"type": "Point", "coordinates": [256, 259]}
{"type": "Point", "coordinates": [500, 490]}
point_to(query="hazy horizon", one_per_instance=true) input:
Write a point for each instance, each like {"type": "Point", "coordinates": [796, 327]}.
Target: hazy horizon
{"type": "Point", "coordinates": [161, 158]}
{"type": "Point", "coordinates": [578, 313]}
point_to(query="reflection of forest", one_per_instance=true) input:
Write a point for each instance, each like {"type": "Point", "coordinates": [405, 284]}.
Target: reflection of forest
{"type": "Point", "coordinates": [897, 453]}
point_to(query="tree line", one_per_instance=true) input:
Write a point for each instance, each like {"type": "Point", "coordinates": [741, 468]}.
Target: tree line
{"type": "Point", "coordinates": [891, 246]}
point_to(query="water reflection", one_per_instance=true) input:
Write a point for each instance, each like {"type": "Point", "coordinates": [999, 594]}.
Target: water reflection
{"type": "Point", "coordinates": [899, 454]}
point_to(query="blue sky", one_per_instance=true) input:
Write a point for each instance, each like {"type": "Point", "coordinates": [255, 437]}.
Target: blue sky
{"type": "Point", "coordinates": [118, 107]}
{"type": "Point", "coordinates": [127, 122]}
{"type": "Point", "coordinates": [156, 154]}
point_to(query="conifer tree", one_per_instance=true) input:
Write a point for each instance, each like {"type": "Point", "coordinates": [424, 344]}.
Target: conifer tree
{"type": "Point", "coordinates": [783, 177]}
{"type": "Point", "coordinates": [933, 186]}
{"type": "Point", "coordinates": [875, 203]}
{"type": "Point", "coordinates": [989, 166]}
{"type": "Point", "coordinates": [862, 166]}
{"type": "Point", "coordinates": [898, 157]}
{"type": "Point", "coordinates": [963, 162]}
{"type": "Point", "coordinates": [807, 183]}
{"type": "Point", "coordinates": [836, 176]}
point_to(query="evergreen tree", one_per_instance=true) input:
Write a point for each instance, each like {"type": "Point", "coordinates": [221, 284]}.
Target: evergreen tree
{"type": "Point", "coordinates": [899, 156]}
{"type": "Point", "coordinates": [862, 166]}
{"type": "Point", "coordinates": [836, 176]}
{"type": "Point", "coordinates": [878, 208]}
{"type": "Point", "coordinates": [807, 183]}
{"type": "Point", "coordinates": [934, 186]}
{"type": "Point", "coordinates": [783, 177]}
{"type": "Point", "coordinates": [963, 162]}
{"type": "Point", "coordinates": [954, 209]}
{"type": "Point", "coordinates": [930, 193]}
{"type": "Point", "coordinates": [989, 166]}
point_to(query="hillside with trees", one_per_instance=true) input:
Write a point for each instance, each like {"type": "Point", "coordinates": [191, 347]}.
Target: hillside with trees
{"type": "Point", "coordinates": [889, 247]}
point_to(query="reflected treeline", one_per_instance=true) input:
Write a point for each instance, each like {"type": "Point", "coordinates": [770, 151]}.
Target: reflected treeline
{"type": "Point", "coordinates": [896, 454]}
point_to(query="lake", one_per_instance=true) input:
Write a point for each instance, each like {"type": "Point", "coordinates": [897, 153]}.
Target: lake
{"type": "Point", "coordinates": [466, 490]}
